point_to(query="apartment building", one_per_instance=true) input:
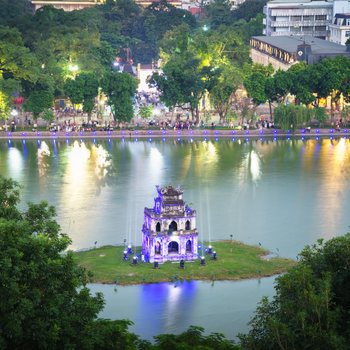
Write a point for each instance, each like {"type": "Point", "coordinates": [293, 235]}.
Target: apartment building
{"type": "Point", "coordinates": [340, 28]}
{"type": "Point", "coordinates": [298, 18]}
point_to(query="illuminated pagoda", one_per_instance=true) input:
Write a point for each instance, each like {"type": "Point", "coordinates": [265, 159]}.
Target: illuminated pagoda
{"type": "Point", "coordinates": [169, 230]}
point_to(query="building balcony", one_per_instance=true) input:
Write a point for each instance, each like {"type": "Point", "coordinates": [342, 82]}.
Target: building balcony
{"type": "Point", "coordinates": [174, 233]}
{"type": "Point", "coordinates": [302, 33]}
{"type": "Point", "coordinates": [265, 10]}
{"type": "Point", "coordinates": [264, 21]}
{"type": "Point", "coordinates": [298, 23]}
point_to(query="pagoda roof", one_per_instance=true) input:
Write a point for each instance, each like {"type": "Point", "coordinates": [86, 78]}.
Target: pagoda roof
{"type": "Point", "coordinates": [170, 191]}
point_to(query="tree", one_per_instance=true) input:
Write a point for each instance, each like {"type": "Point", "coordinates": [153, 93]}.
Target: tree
{"type": "Point", "coordinates": [145, 112]}
{"type": "Point", "coordinates": [83, 89]}
{"type": "Point", "coordinates": [222, 92]}
{"type": "Point", "coordinates": [120, 88]}
{"type": "Point", "coordinates": [312, 304]}
{"type": "Point", "coordinates": [16, 63]}
{"type": "Point", "coordinates": [44, 300]}
{"type": "Point", "coordinates": [38, 101]}
{"type": "Point", "coordinates": [289, 116]}
{"type": "Point", "coordinates": [192, 338]}
{"type": "Point", "coordinates": [171, 84]}
{"type": "Point", "coordinates": [10, 9]}
{"type": "Point", "coordinates": [48, 116]}
{"type": "Point", "coordinates": [255, 86]}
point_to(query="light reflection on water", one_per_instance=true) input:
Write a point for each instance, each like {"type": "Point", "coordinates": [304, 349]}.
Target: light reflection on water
{"type": "Point", "coordinates": [223, 307]}
{"type": "Point", "coordinates": [284, 193]}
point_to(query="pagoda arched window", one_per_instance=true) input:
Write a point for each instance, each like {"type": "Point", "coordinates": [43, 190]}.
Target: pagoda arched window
{"type": "Point", "coordinates": [173, 247]}
{"type": "Point", "coordinates": [158, 227]}
{"type": "Point", "coordinates": [188, 225]}
{"type": "Point", "coordinates": [173, 226]}
{"type": "Point", "coordinates": [188, 246]}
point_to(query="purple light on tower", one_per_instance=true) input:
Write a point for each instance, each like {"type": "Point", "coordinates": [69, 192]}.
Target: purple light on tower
{"type": "Point", "coordinates": [331, 130]}
{"type": "Point", "coordinates": [94, 133]}
{"type": "Point", "coordinates": [67, 133]}
{"type": "Point", "coordinates": [23, 134]}
{"type": "Point", "coordinates": [191, 132]}
{"type": "Point", "coordinates": [205, 132]}
{"type": "Point", "coordinates": [160, 231]}
{"type": "Point", "coordinates": [233, 132]}
{"type": "Point", "coordinates": [108, 133]}
{"type": "Point", "coordinates": [164, 132]}
{"type": "Point", "coordinates": [261, 132]}
{"type": "Point", "coordinates": [247, 132]}
{"type": "Point", "coordinates": [345, 130]}
{"type": "Point", "coordinates": [8, 134]}
{"type": "Point", "coordinates": [150, 132]}
{"type": "Point", "coordinates": [81, 134]}
{"type": "Point", "coordinates": [317, 131]}
{"type": "Point", "coordinates": [179, 132]}
{"type": "Point", "coordinates": [136, 133]}
{"type": "Point", "coordinates": [123, 133]}
{"type": "Point", "coordinates": [38, 133]}
{"type": "Point", "coordinates": [216, 132]}
{"type": "Point", "coordinates": [275, 131]}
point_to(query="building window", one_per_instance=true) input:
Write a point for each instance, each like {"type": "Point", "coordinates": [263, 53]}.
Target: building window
{"type": "Point", "coordinates": [348, 22]}
{"type": "Point", "coordinates": [347, 33]}
{"type": "Point", "coordinates": [308, 18]}
{"type": "Point", "coordinates": [321, 17]}
{"type": "Point", "coordinates": [295, 18]}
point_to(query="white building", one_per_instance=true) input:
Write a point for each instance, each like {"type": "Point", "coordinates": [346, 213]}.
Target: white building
{"type": "Point", "coordinates": [300, 17]}
{"type": "Point", "coordinates": [340, 28]}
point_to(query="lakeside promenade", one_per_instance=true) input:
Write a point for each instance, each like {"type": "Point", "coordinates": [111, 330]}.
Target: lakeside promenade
{"type": "Point", "coordinates": [198, 133]}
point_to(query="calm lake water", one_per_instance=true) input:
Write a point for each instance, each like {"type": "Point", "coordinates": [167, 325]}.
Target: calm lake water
{"type": "Point", "coordinates": [282, 193]}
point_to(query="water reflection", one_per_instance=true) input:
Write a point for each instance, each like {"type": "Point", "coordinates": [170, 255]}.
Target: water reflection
{"type": "Point", "coordinates": [284, 193]}
{"type": "Point", "coordinates": [224, 307]}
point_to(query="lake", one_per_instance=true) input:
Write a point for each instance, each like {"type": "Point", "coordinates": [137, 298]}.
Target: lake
{"type": "Point", "coordinates": [281, 193]}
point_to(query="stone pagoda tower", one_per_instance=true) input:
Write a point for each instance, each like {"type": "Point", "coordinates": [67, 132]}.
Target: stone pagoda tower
{"type": "Point", "coordinates": [169, 230]}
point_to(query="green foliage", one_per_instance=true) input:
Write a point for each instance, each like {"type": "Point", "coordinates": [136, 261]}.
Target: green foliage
{"type": "Point", "coordinates": [11, 9]}
{"type": "Point", "coordinates": [192, 338]}
{"type": "Point", "coordinates": [255, 86]}
{"type": "Point", "coordinates": [312, 304]}
{"type": "Point", "coordinates": [82, 90]}
{"type": "Point", "coordinates": [44, 301]}
{"type": "Point", "coordinates": [48, 115]}
{"type": "Point", "coordinates": [145, 112]}
{"type": "Point", "coordinates": [120, 88]}
{"type": "Point", "coordinates": [320, 114]}
{"type": "Point", "coordinates": [248, 10]}
{"type": "Point", "coordinates": [227, 85]}
{"type": "Point", "coordinates": [16, 63]}
{"type": "Point", "coordinates": [38, 101]}
{"type": "Point", "coordinates": [289, 116]}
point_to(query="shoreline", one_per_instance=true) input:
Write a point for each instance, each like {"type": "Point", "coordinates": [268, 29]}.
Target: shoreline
{"type": "Point", "coordinates": [236, 261]}
{"type": "Point", "coordinates": [132, 135]}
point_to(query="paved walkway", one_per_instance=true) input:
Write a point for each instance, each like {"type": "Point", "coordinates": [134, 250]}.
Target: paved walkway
{"type": "Point", "coordinates": [170, 133]}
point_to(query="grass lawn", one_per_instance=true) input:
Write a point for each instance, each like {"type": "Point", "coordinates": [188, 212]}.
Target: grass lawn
{"type": "Point", "coordinates": [235, 261]}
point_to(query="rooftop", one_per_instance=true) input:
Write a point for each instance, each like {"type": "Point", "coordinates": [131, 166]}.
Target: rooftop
{"type": "Point", "coordinates": [290, 44]}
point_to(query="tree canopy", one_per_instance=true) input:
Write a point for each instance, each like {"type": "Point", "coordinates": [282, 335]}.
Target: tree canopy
{"type": "Point", "coordinates": [312, 303]}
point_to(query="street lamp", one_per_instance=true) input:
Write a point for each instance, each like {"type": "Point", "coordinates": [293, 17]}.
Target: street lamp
{"type": "Point", "coordinates": [73, 68]}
